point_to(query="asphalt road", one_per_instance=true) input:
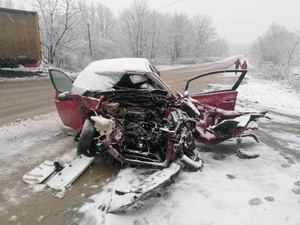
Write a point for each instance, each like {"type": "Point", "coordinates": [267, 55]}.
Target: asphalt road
{"type": "Point", "coordinates": [24, 98]}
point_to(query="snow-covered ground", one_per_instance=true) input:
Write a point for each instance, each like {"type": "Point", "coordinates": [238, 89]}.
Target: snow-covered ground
{"type": "Point", "coordinates": [229, 190]}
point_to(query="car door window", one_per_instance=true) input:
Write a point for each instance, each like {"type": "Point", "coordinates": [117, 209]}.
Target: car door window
{"type": "Point", "coordinates": [61, 81]}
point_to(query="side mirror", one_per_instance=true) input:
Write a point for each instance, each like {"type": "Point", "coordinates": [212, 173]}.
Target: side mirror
{"type": "Point", "coordinates": [65, 96]}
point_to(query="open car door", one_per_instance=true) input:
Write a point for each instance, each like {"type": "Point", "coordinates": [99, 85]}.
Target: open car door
{"type": "Point", "coordinates": [68, 109]}
{"type": "Point", "coordinates": [216, 89]}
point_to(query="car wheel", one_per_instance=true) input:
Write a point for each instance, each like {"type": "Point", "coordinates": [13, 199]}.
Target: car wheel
{"type": "Point", "coordinates": [86, 143]}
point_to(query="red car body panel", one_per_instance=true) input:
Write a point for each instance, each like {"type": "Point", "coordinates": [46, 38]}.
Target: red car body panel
{"type": "Point", "coordinates": [69, 112]}
{"type": "Point", "coordinates": [74, 112]}
{"type": "Point", "coordinates": [222, 100]}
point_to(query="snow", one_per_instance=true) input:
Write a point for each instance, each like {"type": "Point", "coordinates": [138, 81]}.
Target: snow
{"type": "Point", "coordinates": [210, 197]}
{"type": "Point", "coordinates": [228, 190]}
{"type": "Point", "coordinates": [270, 96]}
{"type": "Point", "coordinates": [121, 64]}
{"type": "Point", "coordinates": [19, 137]}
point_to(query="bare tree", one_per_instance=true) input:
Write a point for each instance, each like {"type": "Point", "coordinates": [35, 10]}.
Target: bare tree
{"type": "Point", "coordinates": [277, 46]}
{"type": "Point", "coordinates": [179, 34]}
{"type": "Point", "coordinates": [104, 20]}
{"type": "Point", "coordinates": [204, 32]}
{"type": "Point", "coordinates": [276, 52]}
{"type": "Point", "coordinates": [73, 30]}
{"type": "Point", "coordinates": [155, 31]}
{"type": "Point", "coordinates": [98, 27]}
{"type": "Point", "coordinates": [58, 23]}
{"type": "Point", "coordinates": [87, 17]}
{"type": "Point", "coordinates": [292, 50]}
{"type": "Point", "coordinates": [7, 4]}
{"type": "Point", "coordinates": [135, 26]}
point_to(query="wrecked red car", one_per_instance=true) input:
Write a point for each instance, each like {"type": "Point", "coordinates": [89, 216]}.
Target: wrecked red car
{"type": "Point", "coordinates": [122, 107]}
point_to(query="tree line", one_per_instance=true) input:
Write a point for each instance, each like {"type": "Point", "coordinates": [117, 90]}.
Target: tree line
{"type": "Point", "coordinates": [73, 33]}
{"type": "Point", "coordinates": [276, 54]}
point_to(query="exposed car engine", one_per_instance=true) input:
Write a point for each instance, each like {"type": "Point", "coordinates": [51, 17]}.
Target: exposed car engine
{"type": "Point", "coordinates": [144, 133]}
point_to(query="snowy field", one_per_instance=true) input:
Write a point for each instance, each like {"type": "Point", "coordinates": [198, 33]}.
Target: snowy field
{"type": "Point", "coordinates": [229, 190]}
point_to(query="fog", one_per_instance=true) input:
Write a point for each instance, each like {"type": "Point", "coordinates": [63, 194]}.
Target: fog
{"type": "Point", "coordinates": [238, 21]}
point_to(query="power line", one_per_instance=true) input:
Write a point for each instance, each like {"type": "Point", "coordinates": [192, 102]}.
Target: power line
{"type": "Point", "coordinates": [169, 5]}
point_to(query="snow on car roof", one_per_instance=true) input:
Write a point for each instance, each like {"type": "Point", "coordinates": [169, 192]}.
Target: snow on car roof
{"type": "Point", "coordinates": [93, 77]}
{"type": "Point", "coordinates": [121, 64]}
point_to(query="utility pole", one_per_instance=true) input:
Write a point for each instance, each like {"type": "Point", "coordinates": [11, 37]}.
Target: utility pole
{"type": "Point", "coordinates": [89, 36]}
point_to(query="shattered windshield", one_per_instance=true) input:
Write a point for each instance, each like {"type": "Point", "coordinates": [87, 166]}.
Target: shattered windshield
{"type": "Point", "coordinates": [89, 80]}
{"type": "Point", "coordinates": [93, 80]}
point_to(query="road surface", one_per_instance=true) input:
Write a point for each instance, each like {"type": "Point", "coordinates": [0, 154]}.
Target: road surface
{"type": "Point", "coordinates": [23, 98]}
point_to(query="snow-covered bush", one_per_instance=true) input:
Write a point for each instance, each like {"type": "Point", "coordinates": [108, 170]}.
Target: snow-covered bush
{"type": "Point", "coordinates": [271, 71]}
{"type": "Point", "coordinates": [276, 54]}
{"type": "Point", "coordinates": [294, 78]}
{"type": "Point", "coordinates": [289, 76]}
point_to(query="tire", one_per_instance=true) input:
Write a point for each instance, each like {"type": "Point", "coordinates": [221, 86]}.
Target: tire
{"type": "Point", "coordinates": [86, 143]}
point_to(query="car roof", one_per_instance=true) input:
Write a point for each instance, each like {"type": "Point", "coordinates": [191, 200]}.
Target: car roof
{"type": "Point", "coordinates": [121, 64]}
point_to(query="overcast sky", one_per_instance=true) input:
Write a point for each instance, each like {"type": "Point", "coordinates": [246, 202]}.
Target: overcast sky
{"type": "Point", "coordinates": [239, 21]}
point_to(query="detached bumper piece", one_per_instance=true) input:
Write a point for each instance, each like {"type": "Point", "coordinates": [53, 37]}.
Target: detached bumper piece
{"type": "Point", "coordinates": [64, 175]}
{"type": "Point", "coordinates": [40, 173]}
{"type": "Point", "coordinates": [63, 179]}
{"type": "Point", "coordinates": [124, 199]}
